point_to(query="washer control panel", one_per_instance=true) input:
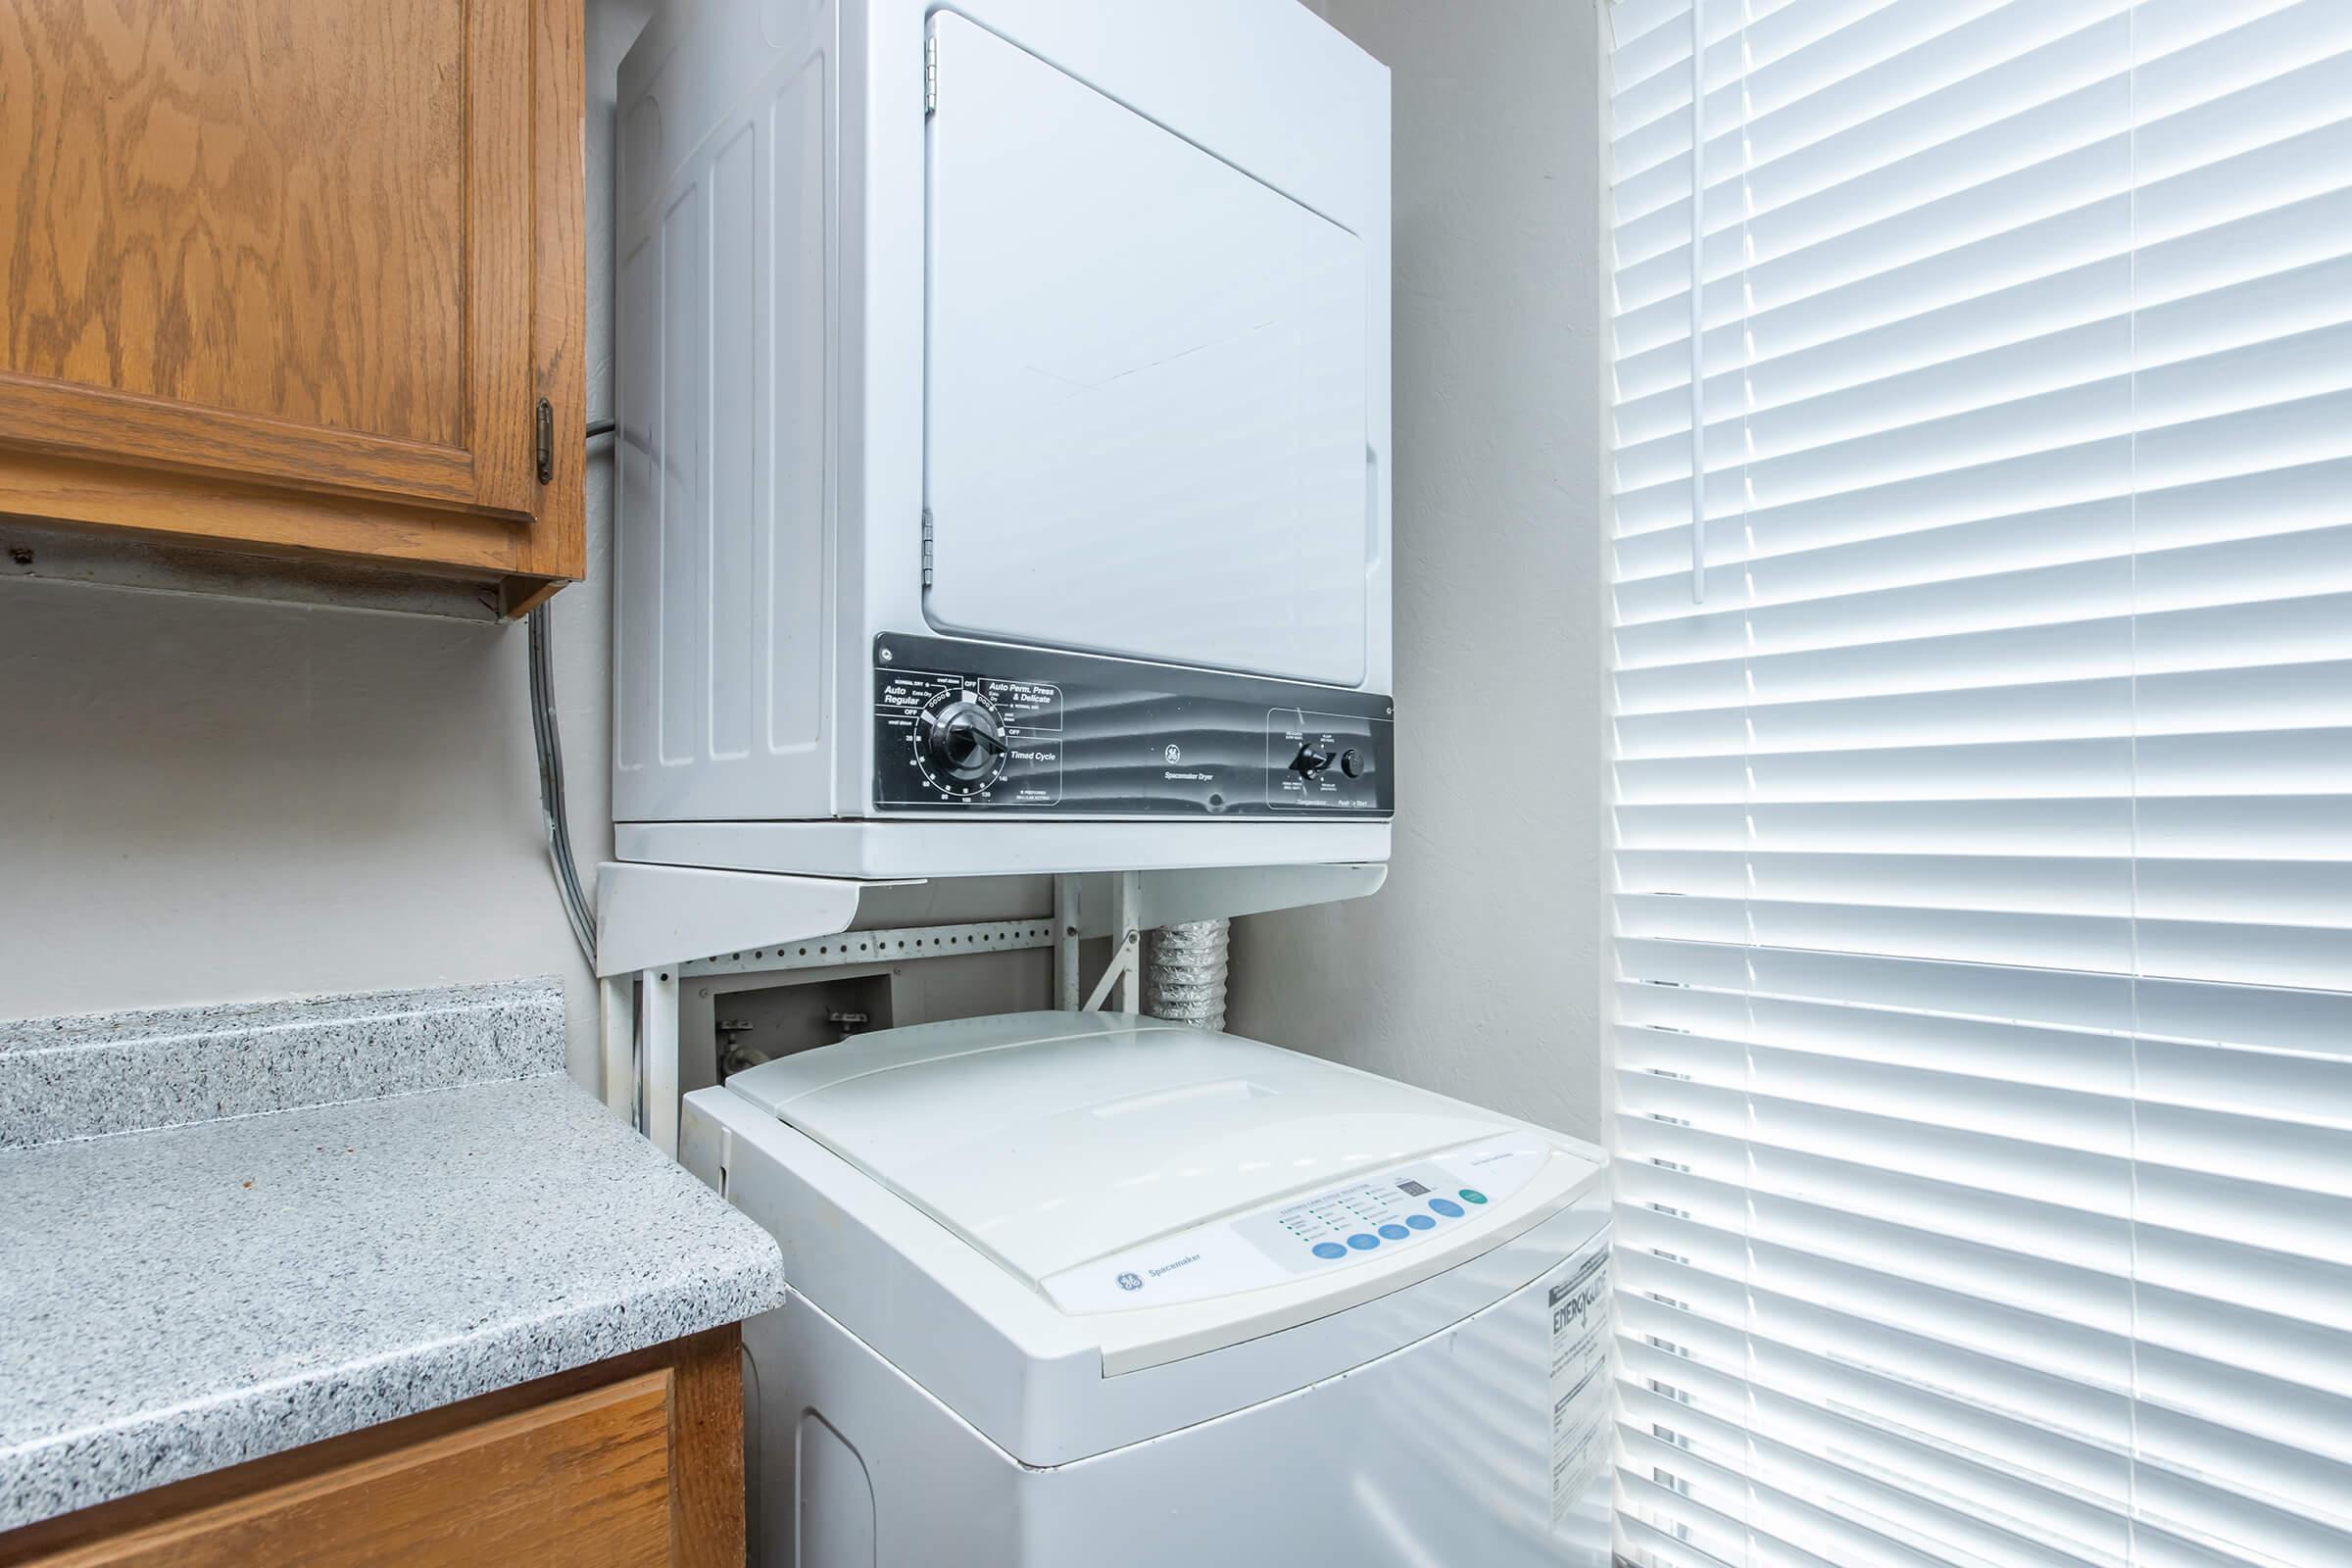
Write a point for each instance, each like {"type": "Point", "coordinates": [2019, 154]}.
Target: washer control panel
{"type": "Point", "coordinates": [1403, 1207]}
{"type": "Point", "coordinates": [1398, 1207]}
{"type": "Point", "coordinates": [982, 727]}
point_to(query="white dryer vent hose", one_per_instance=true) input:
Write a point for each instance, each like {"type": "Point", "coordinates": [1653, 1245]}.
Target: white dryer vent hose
{"type": "Point", "coordinates": [1184, 980]}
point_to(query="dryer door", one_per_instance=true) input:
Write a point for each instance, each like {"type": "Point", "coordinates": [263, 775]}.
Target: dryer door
{"type": "Point", "coordinates": [1145, 432]}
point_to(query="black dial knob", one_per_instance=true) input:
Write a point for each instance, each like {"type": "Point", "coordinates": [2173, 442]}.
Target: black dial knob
{"type": "Point", "coordinates": [962, 743]}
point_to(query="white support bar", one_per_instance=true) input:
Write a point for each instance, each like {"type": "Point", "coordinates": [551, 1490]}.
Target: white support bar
{"type": "Point", "coordinates": [649, 915]}
{"type": "Point", "coordinates": [1066, 979]}
{"type": "Point", "coordinates": [657, 1056]}
{"type": "Point", "coordinates": [1127, 930]}
{"type": "Point", "coordinates": [929, 849]}
{"type": "Point", "coordinates": [617, 1018]}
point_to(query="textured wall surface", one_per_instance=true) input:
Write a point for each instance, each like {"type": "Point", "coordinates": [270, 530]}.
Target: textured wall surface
{"type": "Point", "coordinates": [1475, 971]}
{"type": "Point", "coordinates": [209, 800]}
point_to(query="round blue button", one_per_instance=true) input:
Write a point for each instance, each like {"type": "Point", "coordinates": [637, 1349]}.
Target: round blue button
{"type": "Point", "coordinates": [1419, 1222]}
{"type": "Point", "coordinates": [1446, 1206]}
{"type": "Point", "coordinates": [1330, 1250]}
{"type": "Point", "coordinates": [1363, 1243]}
{"type": "Point", "coordinates": [1471, 1195]}
{"type": "Point", "coordinates": [1395, 1233]}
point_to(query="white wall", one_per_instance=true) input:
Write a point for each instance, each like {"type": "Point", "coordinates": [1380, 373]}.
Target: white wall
{"type": "Point", "coordinates": [208, 800]}
{"type": "Point", "coordinates": [1475, 971]}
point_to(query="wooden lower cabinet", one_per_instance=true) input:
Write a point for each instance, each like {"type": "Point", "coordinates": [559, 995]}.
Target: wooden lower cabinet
{"type": "Point", "coordinates": [633, 1461]}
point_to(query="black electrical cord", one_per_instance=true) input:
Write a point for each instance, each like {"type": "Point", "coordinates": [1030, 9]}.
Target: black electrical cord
{"type": "Point", "coordinates": [548, 741]}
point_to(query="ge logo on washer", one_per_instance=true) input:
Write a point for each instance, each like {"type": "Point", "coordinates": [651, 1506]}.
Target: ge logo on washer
{"type": "Point", "coordinates": [1131, 1281]}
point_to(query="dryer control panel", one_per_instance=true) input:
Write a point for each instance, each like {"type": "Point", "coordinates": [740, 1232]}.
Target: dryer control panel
{"type": "Point", "coordinates": [962, 726]}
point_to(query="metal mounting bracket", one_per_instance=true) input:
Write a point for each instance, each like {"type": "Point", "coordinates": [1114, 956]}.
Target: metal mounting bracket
{"type": "Point", "coordinates": [1123, 972]}
{"type": "Point", "coordinates": [895, 945]}
{"type": "Point", "coordinates": [1126, 967]}
{"type": "Point", "coordinates": [657, 924]}
{"type": "Point", "coordinates": [672, 915]}
{"type": "Point", "coordinates": [1171, 898]}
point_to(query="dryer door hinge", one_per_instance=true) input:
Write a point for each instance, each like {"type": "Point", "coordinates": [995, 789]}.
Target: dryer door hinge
{"type": "Point", "coordinates": [930, 73]}
{"type": "Point", "coordinates": [927, 547]}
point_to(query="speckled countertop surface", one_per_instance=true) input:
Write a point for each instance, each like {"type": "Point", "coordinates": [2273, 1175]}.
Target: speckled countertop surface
{"type": "Point", "coordinates": [189, 1297]}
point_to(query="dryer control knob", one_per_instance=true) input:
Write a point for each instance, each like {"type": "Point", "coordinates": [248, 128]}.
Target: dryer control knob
{"type": "Point", "coordinates": [963, 741]}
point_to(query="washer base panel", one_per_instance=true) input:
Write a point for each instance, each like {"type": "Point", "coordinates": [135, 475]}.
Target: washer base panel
{"type": "Point", "coordinates": [1441, 1452]}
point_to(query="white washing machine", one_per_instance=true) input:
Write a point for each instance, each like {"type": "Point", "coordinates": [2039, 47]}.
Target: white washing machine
{"type": "Point", "coordinates": [1077, 1289]}
{"type": "Point", "coordinates": [1003, 438]}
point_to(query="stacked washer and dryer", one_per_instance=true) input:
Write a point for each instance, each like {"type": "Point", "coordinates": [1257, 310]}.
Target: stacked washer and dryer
{"type": "Point", "coordinates": [1004, 490]}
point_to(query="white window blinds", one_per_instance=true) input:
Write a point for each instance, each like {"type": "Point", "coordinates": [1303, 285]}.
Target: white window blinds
{"type": "Point", "coordinates": [1983, 874]}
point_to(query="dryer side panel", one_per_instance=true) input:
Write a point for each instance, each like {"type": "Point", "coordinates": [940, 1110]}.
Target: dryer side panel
{"type": "Point", "coordinates": [723, 593]}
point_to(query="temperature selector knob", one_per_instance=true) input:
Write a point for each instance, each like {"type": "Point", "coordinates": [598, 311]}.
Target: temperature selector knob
{"type": "Point", "coordinates": [960, 743]}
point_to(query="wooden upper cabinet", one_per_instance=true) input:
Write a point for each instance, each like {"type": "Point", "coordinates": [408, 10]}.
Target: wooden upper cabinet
{"type": "Point", "coordinates": [296, 275]}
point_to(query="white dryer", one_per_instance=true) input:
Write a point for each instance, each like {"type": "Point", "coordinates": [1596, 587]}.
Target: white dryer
{"type": "Point", "coordinates": [1003, 438]}
{"type": "Point", "coordinates": [1075, 1289]}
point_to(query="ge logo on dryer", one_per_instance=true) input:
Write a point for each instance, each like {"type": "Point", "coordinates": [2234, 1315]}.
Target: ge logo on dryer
{"type": "Point", "coordinates": [1133, 1282]}
{"type": "Point", "coordinates": [1173, 753]}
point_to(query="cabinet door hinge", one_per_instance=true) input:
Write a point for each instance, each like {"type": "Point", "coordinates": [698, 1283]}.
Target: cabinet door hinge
{"type": "Point", "coordinates": [927, 547]}
{"type": "Point", "coordinates": [546, 442]}
{"type": "Point", "coordinates": [930, 73]}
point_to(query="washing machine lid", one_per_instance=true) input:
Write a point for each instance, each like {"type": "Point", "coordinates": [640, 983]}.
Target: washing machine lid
{"type": "Point", "coordinates": [1074, 1148]}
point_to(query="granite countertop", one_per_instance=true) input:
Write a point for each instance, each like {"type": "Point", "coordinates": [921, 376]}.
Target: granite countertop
{"type": "Point", "coordinates": [291, 1267]}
